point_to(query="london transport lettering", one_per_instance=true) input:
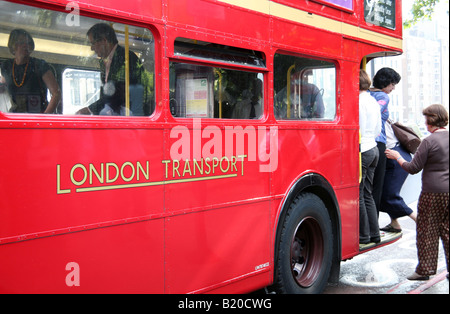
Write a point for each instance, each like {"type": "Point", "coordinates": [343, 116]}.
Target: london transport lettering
{"type": "Point", "coordinates": [112, 176]}
{"type": "Point", "coordinates": [190, 160]}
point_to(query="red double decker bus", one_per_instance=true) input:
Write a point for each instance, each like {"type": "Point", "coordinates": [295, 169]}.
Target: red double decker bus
{"type": "Point", "coordinates": [182, 146]}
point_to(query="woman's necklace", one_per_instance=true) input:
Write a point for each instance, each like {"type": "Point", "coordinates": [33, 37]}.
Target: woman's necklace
{"type": "Point", "coordinates": [24, 74]}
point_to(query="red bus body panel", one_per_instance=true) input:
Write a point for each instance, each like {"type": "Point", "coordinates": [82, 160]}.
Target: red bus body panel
{"type": "Point", "coordinates": [153, 232]}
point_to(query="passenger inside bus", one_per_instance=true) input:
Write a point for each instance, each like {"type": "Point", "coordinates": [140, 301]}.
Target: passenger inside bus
{"type": "Point", "coordinates": [305, 99]}
{"type": "Point", "coordinates": [207, 92]}
{"type": "Point", "coordinates": [241, 95]}
{"type": "Point", "coordinates": [27, 79]}
{"type": "Point", "coordinates": [249, 107]}
{"type": "Point", "coordinates": [104, 43]}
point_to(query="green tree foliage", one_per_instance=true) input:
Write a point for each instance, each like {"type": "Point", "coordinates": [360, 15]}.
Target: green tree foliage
{"type": "Point", "coordinates": [421, 10]}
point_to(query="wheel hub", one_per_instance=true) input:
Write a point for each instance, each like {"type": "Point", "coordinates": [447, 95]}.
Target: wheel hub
{"type": "Point", "coordinates": [307, 252]}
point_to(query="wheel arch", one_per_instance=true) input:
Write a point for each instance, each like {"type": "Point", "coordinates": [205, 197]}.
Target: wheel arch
{"type": "Point", "coordinates": [318, 185]}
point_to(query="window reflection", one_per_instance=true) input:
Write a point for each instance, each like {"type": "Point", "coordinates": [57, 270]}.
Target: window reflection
{"type": "Point", "coordinates": [305, 89]}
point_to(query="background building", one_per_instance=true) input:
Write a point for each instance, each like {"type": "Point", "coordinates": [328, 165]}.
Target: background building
{"type": "Point", "coordinates": [424, 67]}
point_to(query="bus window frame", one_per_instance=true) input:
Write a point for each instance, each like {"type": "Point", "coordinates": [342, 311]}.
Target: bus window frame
{"type": "Point", "coordinates": [224, 65]}
{"type": "Point", "coordinates": [336, 66]}
{"type": "Point", "coordinates": [183, 41]}
{"type": "Point", "coordinates": [153, 29]}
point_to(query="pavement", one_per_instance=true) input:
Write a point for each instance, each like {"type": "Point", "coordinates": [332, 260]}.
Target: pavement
{"type": "Point", "coordinates": [384, 270]}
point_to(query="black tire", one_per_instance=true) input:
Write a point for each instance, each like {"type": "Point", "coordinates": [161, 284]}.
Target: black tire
{"type": "Point", "coordinates": [305, 250]}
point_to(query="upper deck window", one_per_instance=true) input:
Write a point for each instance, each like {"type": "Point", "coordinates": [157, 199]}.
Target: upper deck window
{"type": "Point", "coordinates": [64, 63]}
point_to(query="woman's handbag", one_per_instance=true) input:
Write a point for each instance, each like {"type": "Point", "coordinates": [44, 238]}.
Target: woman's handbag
{"type": "Point", "coordinates": [406, 136]}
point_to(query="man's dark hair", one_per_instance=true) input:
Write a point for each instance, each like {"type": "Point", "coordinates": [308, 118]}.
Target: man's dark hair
{"type": "Point", "coordinates": [103, 31]}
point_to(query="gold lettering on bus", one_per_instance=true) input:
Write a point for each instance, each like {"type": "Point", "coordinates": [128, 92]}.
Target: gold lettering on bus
{"type": "Point", "coordinates": [100, 177]}
{"type": "Point", "coordinates": [84, 177]}
{"type": "Point", "coordinates": [105, 176]}
{"type": "Point", "coordinates": [112, 176]}
{"type": "Point", "coordinates": [177, 169]}
{"type": "Point", "coordinates": [108, 169]}
{"type": "Point", "coordinates": [58, 182]}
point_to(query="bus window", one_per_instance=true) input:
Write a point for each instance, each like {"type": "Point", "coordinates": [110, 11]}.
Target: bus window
{"type": "Point", "coordinates": [208, 92]}
{"type": "Point", "coordinates": [214, 52]}
{"type": "Point", "coordinates": [311, 86]}
{"type": "Point", "coordinates": [59, 44]}
{"type": "Point", "coordinates": [80, 88]}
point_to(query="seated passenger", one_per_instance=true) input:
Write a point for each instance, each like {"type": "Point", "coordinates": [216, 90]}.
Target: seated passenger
{"type": "Point", "coordinates": [249, 105]}
{"type": "Point", "coordinates": [27, 79]}
{"type": "Point", "coordinates": [104, 42]}
{"type": "Point", "coordinates": [243, 107]}
{"type": "Point", "coordinates": [310, 101]}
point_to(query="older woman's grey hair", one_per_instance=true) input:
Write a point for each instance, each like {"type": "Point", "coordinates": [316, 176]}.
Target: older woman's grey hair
{"type": "Point", "coordinates": [436, 115]}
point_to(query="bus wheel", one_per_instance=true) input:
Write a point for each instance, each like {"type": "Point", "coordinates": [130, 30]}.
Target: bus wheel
{"type": "Point", "coordinates": [305, 248]}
